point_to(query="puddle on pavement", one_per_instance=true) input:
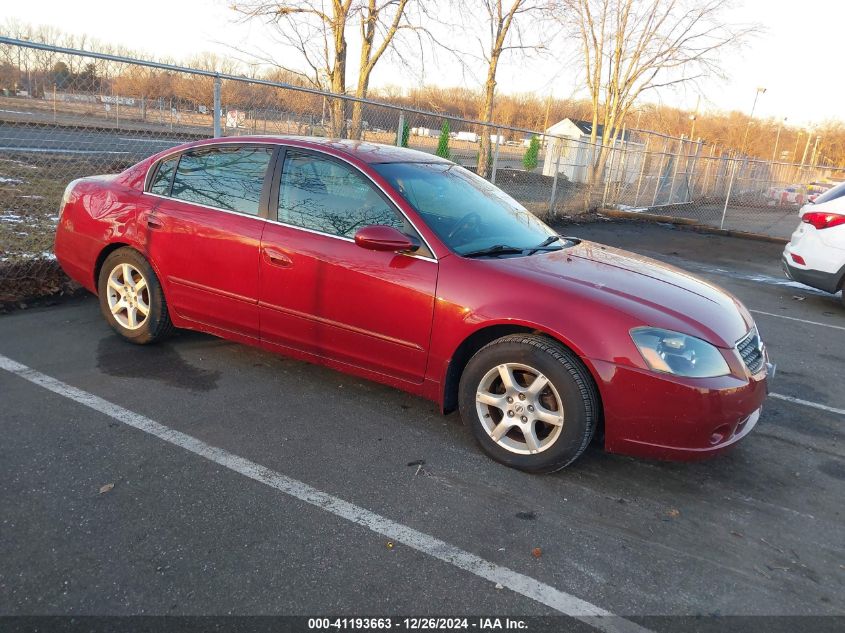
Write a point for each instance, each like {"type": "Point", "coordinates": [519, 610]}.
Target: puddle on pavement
{"type": "Point", "coordinates": [160, 362]}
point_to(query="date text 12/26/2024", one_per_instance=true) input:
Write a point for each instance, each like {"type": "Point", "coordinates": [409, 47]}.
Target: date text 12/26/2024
{"type": "Point", "coordinates": [417, 624]}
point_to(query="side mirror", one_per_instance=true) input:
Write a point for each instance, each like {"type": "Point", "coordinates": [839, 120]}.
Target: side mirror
{"type": "Point", "coordinates": [384, 238]}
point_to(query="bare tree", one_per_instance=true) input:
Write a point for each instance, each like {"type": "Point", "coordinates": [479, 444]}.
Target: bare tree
{"type": "Point", "coordinates": [631, 47]}
{"type": "Point", "coordinates": [319, 35]}
{"type": "Point", "coordinates": [385, 19]}
{"type": "Point", "coordinates": [506, 22]}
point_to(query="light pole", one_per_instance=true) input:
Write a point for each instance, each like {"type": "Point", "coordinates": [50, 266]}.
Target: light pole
{"type": "Point", "coordinates": [777, 139]}
{"type": "Point", "coordinates": [795, 149]}
{"type": "Point", "coordinates": [760, 90]}
{"type": "Point", "coordinates": [815, 151]}
{"type": "Point", "coordinates": [735, 166]}
{"type": "Point", "coordinates": [693, 117]}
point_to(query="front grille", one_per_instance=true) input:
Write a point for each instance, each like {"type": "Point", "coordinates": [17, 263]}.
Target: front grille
{"type": "Point", "coordinates": [750, 347]}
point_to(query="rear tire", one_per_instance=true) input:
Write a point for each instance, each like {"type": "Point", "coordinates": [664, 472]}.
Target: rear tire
{"type": "Point", "coordinates": [530, 403]}
{"type": "Point", "coordinates": [131, 298]}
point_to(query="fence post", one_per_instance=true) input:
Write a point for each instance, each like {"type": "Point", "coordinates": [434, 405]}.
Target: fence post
{"type": "Point", "coordinates": [660, 171]}
{"type": "Point", "coordinates": [608, 174]}
{"type": "Point", "coordinates": [218, 107]}
{"type": "Point", "coordinates": [675, 167]}
{"type": "Point", "coordinates": [707, 171]}
{"type": "Point", "coordinates": [643, 159]}
{"type": "Point", "coordinates": [495, 159]}
{"type": "Point", "coordinates": [400, 131]}
{"type": "Point", "coordinates": [691, 170]}
{"type": "Point", "coordinates": [117, 110]}
{"type": "Point", "coordinates": [558, 148]}
{"type": "Point", "coordinates": [728, 196]}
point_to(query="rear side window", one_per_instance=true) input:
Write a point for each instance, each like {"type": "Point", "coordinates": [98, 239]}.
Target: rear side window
{"type": "Point", "coordinates": [161, 181]}
{"type": "Point", "coordinates": [224, 177]}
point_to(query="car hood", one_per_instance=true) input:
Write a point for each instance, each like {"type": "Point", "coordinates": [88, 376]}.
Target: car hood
{"type": "Point", "coordinates": [652, 292]}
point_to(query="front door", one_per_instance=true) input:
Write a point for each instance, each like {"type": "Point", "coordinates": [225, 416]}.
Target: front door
{"type": "Point", "coordinates": [321, 293]}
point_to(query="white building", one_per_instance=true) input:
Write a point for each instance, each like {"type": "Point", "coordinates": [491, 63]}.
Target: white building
{"type": "Point", "coordinates": [472, 137]}
{"type": "Point", "coordinates": [572, 141]}
{"type": "Point", "coordinates": [423, 131]}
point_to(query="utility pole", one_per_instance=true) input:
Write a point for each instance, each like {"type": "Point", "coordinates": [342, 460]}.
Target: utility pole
{"type": "Point", "coordinates": [548, 107]}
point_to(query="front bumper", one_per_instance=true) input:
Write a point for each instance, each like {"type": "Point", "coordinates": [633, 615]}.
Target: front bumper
{"type": "Point", "coordinates": [665, 417]}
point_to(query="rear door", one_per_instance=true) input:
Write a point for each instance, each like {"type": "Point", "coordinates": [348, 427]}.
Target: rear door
{"type": "Point", "coordinates": [204, 235]}
{"type": "Point", "coordinates": [321, 293]}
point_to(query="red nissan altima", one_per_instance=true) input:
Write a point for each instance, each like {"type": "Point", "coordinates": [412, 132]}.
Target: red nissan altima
{"type": "Point", "coordinates": [407, 269]}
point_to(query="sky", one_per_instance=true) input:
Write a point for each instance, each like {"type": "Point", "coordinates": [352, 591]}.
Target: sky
{"type": "Point", "coordinates": [795, 57]}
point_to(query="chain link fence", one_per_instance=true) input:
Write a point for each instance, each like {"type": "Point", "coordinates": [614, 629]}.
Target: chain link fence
{"type": "Point", "coordinates": [686, 179]}
{"type": "Point", "coordinates": [66, 114]}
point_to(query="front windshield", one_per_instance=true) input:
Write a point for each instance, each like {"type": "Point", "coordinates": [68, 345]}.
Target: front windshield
{"type": "Point", "coordinates": [465, 211]}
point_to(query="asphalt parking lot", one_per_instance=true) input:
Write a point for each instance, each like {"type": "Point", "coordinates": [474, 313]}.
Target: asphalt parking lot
{"type": "Point", "coordinates": [104, 513]}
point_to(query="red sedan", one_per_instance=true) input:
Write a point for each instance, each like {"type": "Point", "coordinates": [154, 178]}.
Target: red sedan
{"type": "Point", "coordinates": [407, 269]}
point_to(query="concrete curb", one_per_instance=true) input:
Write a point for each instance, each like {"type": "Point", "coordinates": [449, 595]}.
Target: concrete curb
{"type": "Point", "coordinates": [98, 126]}
{"type": "Point", "coordinates": [690, 224]}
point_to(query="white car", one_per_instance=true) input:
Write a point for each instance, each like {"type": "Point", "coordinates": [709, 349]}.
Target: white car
{"type": "Point", "coordinates": [815, 255]}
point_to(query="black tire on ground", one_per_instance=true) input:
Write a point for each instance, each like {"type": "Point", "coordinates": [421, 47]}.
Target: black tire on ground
{"type": "Point", "coordinates": [157, 324]}
{"type": "Point", "coordinates": [573, 382]}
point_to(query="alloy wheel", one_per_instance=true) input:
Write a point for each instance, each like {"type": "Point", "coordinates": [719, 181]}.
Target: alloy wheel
{"type": "Point", "coordinates": [128, 296]}
{"type": "Point", "coordinates": [519, 408]}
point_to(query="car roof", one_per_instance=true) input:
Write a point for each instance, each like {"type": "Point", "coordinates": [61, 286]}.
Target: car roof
{"type": "Point", "coordinates": [364, 151]}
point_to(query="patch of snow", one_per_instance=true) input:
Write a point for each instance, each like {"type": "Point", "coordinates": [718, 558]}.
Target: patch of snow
{"type": "Point", "coordinates": [625, 207]}
{"type": "Point", "coordinates": [18, 162]}
{"type": "Point", "coordinates": [32, 197]}
{"type": "Point", "coordinates": [10, 181]}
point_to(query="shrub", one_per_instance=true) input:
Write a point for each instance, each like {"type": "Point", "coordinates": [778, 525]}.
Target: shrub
{"type": "Point", "coordinates": [443, 142]}
{"type": "Point", "coordinates": [529, 161]}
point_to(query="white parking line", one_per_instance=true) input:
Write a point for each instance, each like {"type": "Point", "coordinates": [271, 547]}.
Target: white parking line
{"type": "Point", "coordinates": [807, 403]}
{"type": "Point", "coordinates": [783, 316]}
{"type": "Point", "coordinates": [525, 585]}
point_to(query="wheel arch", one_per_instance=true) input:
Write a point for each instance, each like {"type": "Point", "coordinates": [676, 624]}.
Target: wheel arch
{"type": "Point", "coordinates": [111, 247]}
{"type": "Point", "coordinates": [107, 250]}
{"type": "Point", "coordinates": [489, 333]}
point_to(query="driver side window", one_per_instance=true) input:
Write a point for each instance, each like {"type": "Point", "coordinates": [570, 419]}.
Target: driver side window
{"type": "Point", "coordinates": [329, 197]}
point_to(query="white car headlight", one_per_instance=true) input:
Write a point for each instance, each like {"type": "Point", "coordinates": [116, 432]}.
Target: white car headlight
{"type": "Point", "coordinates": [675, 353]}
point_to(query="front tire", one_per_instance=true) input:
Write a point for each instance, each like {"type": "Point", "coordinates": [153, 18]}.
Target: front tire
{"type": "Point", "coordinates": [529, 402]}
{"type": "Point", "coordinates": [131, 298]}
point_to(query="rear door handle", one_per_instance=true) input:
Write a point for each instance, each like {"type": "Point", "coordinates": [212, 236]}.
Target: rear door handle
{"type": "Point", "coordinates": [276, 258]}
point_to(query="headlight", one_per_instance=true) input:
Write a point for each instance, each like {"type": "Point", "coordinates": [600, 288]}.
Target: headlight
{"type": "Point", "coordinates": [675, 353]}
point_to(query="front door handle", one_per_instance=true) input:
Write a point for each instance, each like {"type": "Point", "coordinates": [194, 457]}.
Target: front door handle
{"type": "Point", "coordinates": [276, 258]}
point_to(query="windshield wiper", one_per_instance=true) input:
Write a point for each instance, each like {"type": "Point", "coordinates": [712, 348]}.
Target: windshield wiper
{"type": "Point", "coordinates": [541, 246]}
{"type": "Point", "coordinates": [550, 240]}
{"type": "Point", "coordinates": [496, 249]}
